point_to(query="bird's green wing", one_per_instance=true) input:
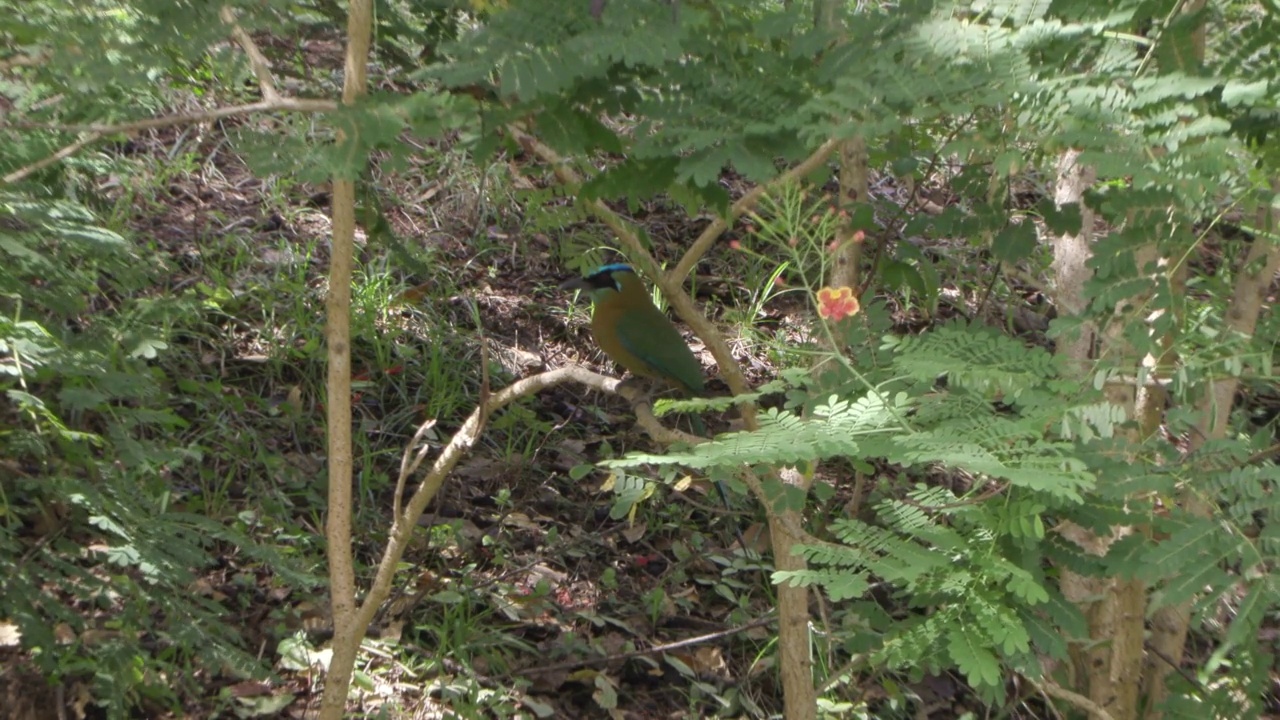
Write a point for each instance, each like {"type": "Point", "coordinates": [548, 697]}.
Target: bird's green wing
{"type": "Point", "coordinates": [653, 340]}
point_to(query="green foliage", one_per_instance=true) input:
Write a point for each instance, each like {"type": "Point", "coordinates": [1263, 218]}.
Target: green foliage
{"type": "Point", "coordinates": [88, 436]}
{"type": "Point", "coordinates": [979, 444]}
{"type": "Point", "coordinates": [974, 562]}
{"type": "Point", "coordinates": [1006, 89]}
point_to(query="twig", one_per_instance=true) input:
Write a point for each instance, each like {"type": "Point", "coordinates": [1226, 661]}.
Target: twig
{"type": "Point", "coordinates": [311, 105]}
{"type": "Point", "coordinates": [1262, 455]}
{"type": "Point", "coordinates": [745, 203]}
{"type": "Point", "coordinates": [58, 156]}
{"type": "Point", "coordinates": [97, 130]}
{"type": "Point", "coordinates": [1191, 679]}
{"type": "Point", "coordinates": [655, 650]}
{"type": "Point", "coordinates": [407, 468]}
{"type": "Point", "coordinates": [1053, 689]}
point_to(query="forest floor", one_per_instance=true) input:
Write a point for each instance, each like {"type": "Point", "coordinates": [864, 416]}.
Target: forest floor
{"type": "Point", "coordinates": [533, 586]}
{"type": "Point", "coordinates": [539, 584]}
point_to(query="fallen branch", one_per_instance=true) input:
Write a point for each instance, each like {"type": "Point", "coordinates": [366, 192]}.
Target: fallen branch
{"type": "Point", "coordinates": [655, 650]}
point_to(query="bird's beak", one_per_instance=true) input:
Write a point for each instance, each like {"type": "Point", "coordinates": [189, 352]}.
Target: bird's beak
{"type": "Point", "coordinates": [575, 284]}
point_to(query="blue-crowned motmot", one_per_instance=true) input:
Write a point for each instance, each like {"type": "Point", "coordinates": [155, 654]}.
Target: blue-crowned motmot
{"type": "Point", "coordinates": [633, 332]}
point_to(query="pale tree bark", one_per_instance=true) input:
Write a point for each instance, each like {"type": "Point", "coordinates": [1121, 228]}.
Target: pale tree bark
{"type": "Point", "coordinates": [855, 187]}
{"type": "Point", "coordinates": [1071, 255]}
{"type": "Point", "coordinates": [1107, 669]}
{"type": "Point", "coordinates": [342, 594]}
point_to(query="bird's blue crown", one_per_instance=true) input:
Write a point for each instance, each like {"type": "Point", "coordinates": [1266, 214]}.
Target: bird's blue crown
{"type": "Point", "coordinates": [612, 268]}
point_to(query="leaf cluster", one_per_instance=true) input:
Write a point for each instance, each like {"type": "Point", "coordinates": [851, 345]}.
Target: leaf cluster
{"type": "Point", "coordinates": [91, 546]}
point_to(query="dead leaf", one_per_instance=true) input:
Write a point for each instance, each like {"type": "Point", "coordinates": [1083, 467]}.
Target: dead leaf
{"type": "Point", "coordinates": [634, 532]}
{"type": "Point", "coordinates": [294, 399]}
{"type": "Point", "coordinates": [709, 660]}
{"type": "Point", "coordinates": [392, 631]}
{"type": "Point", "coordinates": [481, 468]}
{"type": "Point", "coordinates": [249, 688]}
{"type": "Point", "coordinates": [550, 681]}
{"type": "Point", "coordinates": [265, 706]}
{"type": "Point", "coordinates": [468, 530]}
{"type": "Point", "coordinates": [757, 538]}
{"type": "Point", "coordinates": [521, 521]}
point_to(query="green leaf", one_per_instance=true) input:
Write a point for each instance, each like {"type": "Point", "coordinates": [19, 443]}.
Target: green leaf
{"type": "Point", "coordinates": [1015, 242]}
{"type": "Point", "coordinates": [972, 658]}
{"type": "Point", "coordinates": [1065, 220]}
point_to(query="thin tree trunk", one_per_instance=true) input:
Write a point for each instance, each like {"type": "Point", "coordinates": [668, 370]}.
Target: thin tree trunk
{"type": "Point", "coordinates": [1108, 668]}
{"type": "Point", "coordinates": [347, 633]}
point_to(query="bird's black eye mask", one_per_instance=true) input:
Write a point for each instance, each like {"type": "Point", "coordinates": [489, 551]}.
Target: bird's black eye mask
{"type": "Point", "coordinates": [603, 278]}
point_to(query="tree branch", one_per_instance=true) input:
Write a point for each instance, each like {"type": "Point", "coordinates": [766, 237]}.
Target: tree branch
{"type": "Point", "coordinates": [272, 101]}
{"type": "Point", "coordinates": [406, 520]}
{"type": "Point", "coordinates": [744, 204]}
{"type": "Point", "coordinates": [58, 156]}
{"type": "Point", "coordinates": [261, 66]}
{"type": "Point", "coordinates": [1096, 711]}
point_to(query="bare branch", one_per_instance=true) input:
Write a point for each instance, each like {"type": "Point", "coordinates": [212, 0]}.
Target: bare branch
{"type": "Point", "coordinates": [58, 156]}
{"type": "Point", "coordinates": [261, 66]}
{"type": "Point", "coordinates": [409, 467]}
{"type": "Point", "coordinates": [1096, 711]}
{"type": "Point", "coordinates": [744, 204]}
{"type": "Point", "coordinates": [406, 521]}
{"type": "Point", "coordinates": [98, 130]}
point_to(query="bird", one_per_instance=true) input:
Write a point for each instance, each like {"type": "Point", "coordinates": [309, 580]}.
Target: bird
{"type": "Point", "coordinates": [633, 332]}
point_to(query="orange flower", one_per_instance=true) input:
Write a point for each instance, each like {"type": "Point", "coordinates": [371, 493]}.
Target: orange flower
{"type": "Point", "coordinates": [837, 303]}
